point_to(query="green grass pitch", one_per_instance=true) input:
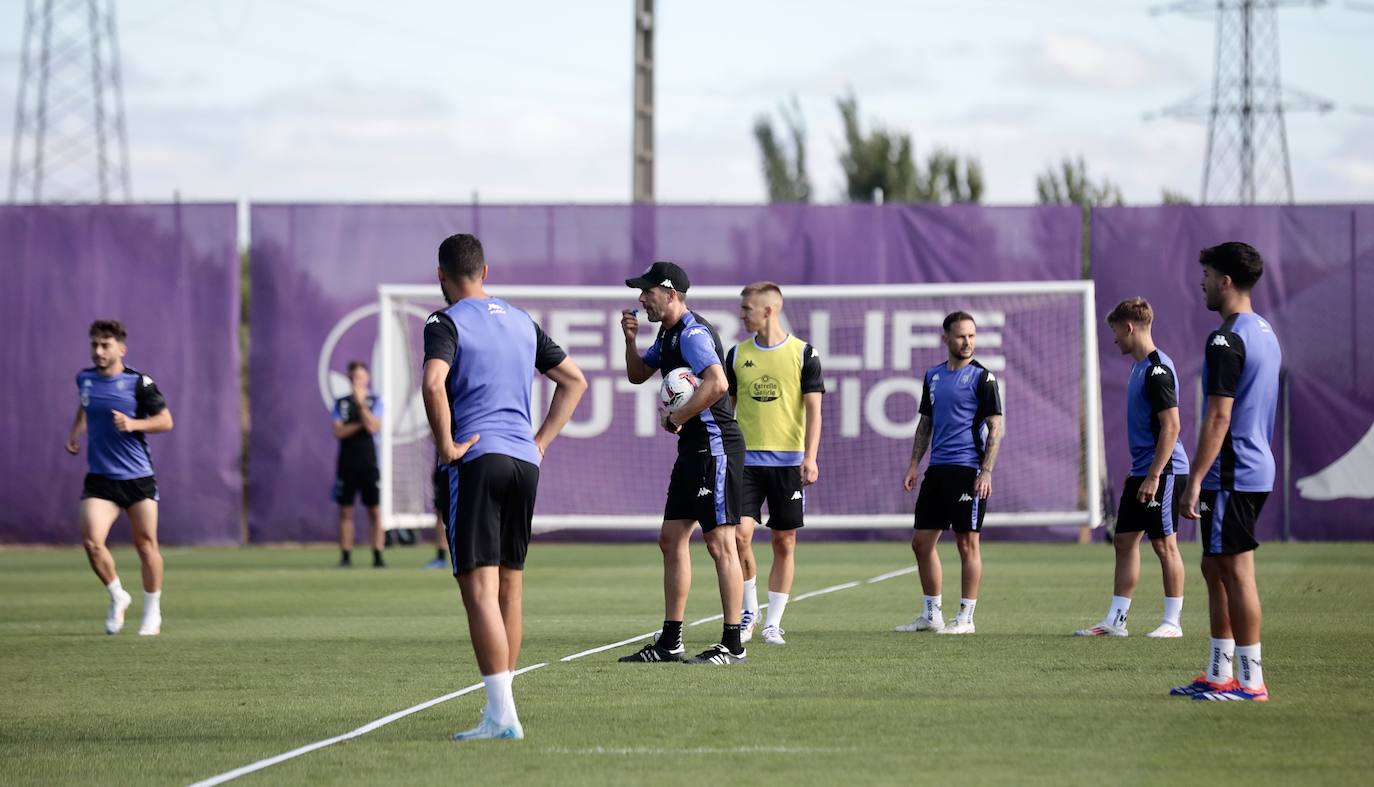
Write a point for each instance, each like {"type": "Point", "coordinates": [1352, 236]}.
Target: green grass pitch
{"type": "Point", "coordinates": [266, 650]}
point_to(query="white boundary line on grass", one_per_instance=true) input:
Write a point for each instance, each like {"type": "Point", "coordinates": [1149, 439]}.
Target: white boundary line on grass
{"type": "Point", "coordinates": [400, 714]}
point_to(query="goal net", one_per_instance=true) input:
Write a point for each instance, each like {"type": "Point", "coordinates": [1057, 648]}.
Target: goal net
{"type": "Point", "coordinates": [610, 467]}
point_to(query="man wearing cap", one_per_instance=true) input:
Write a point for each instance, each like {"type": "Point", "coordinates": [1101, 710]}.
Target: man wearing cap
{"type": "Point", "coordinates": [706, 485]}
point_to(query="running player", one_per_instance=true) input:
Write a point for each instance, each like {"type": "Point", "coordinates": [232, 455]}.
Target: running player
{"type": "Point", "coordinates": [706, 481]}
{"type": "Point", "coordinates": [1233, 471]}
{"type": "Point", "coordinates": [118, 407]}
{"type": "Point", "coordinates": [776, 387]}
{"type": "Point", "coordinates": [357, 417]}
{"type": "Point", "coordinates": [961, 422]}
{"type": "Point", "coordinates": [1149, 502]}
{"type": "Point", "coordinates": [480, 357]}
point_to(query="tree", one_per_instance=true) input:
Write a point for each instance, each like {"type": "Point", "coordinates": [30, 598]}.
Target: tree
{"type": "Point", "coordinates": [879, 161]}
{"type": "Point", "coordinates": [1171, 197]}
{"type": "Point", "coordinates": [882, 160]}
{"type": "Point", "coordinates": [943, 182]}
{"type": "Point", "coordinates": [784, 171]}
{"type": "Point", "coordinates": [1070, 185]}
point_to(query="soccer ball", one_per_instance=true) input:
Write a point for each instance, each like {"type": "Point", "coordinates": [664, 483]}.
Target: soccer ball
{"type": "Point", "coordinates": [678, 387]}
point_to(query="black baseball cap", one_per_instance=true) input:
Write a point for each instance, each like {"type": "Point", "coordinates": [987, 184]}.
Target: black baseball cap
{"type": "Point", "coordinates": [661, 274]}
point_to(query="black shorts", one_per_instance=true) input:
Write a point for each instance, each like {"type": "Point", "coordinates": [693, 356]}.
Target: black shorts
{"type": "Point", "coordinates": [1159, 517]}
{"type": "Point", "coordinates": [354, 481]}
{"type": "Point", "coordinates": [439, 480]}
{"type": "Point", "coordinates": [488, 507]}
{"type": "Point", "coordinates": [1228, 521]}
{"type": "Point", "coordinates": [122, 493]}
{"type": "Point", "coordinates": [781, 488]}
{"type": "Point", "coordinates": [707, 489]}
{"type": "Point", "coordinates": [947, 500]}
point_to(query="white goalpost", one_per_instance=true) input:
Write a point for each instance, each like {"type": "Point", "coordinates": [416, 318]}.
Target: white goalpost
{"type": "Point", "coordinates": [609, 470]}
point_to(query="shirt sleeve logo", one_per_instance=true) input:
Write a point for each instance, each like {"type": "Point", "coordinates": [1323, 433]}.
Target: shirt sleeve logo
{"type": "Point", "coordinates": [1220, 341]}
{"type": "Point", "coordinates": [1160, 370]}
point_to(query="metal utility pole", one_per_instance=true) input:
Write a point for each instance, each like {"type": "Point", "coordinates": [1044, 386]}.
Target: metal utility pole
{"type": "Point", "coordinates": [1246, 160]}
{"type": "Point", "coordinates": [643, 144]}
{"type": "Point", "coordinates": [70, 143]}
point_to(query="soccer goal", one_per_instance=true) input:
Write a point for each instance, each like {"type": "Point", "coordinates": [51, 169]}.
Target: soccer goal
{"type": "Point", "coordinates": [610, 468]}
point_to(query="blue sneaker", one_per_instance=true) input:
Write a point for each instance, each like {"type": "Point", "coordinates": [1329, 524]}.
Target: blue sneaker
{"type": "Point", "coordinates": [489, 730]}
{"type": "Point", "coordinates": [1235, 694]}
{"type": "Point", "coordinates": [1201, 685]}
{"type": "Point", "coordinates": [437, 562]}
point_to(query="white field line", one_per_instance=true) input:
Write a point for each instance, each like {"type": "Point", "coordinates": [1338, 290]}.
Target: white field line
{"type": "Point", "coordinates": [400, 714]}
{"type": "Point", "coordinates": [623, 751]}
{"type": "Point", "coordinates": [363, 730]}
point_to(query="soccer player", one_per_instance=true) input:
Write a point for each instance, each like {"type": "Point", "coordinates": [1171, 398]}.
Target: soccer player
{"type": "Point", "coordinates": [118, 407]}
{"type": "Point", "coordinates": [776, 387]}
{"type": "Point", "coordinates": [707, 477]}
{"type": "Point", "coordinates": [961, 423]}
{"type": "Point", "coordinates": [1149, 502]}
{"type": "Point", "coordinates": [1233, 471]}
{"type": "Point", "coordinates": [480, 357]}
{"type": "Point", "coordinates": [357, 417]}
{"type": "Point", "coordinates": [440, 483]}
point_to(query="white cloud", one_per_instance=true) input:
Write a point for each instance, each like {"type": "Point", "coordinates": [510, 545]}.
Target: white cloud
{"type": "Point", "coordinates": [1077, 61]}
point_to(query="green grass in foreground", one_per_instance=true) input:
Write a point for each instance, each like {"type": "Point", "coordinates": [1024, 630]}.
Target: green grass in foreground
{"type": "Point", "coordinates": [266, 650]}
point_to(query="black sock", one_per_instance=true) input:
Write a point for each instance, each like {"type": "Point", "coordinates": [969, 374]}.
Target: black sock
{"type": "Point", "coordinates": [440, 554]}
{"type": "Point", "coordinates": [671, 638]}
{"type": "Point", "coordinates": [730, 638]}
{"type": "Point", "coordinates": [345, 556]}
{"type": "Point", "coordinates": [377, 558]}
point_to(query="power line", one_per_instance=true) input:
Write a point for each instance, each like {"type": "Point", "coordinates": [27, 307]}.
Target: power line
{"type": "Point", "coordinates": [1246, 159]}
{"type": "Point", "coordinates": [70, 141]}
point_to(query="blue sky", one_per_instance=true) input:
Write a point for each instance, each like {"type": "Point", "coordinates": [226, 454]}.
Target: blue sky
{"type": "Point", "coordinates": [419, 100]}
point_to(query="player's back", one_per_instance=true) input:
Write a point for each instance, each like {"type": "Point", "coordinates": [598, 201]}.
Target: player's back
{"type": "Point", "coordinates": [1246, 462]}
{"type": "Point", "coordinates": [489, 382]}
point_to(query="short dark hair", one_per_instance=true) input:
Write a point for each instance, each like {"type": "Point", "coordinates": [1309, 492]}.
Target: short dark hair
{"type": "Point", "coordinates": [111, 328]}
{"type": "Point", "coordinates": [960, 316]}
{"type": "Point", "coordinates": [353, 366]}
{"type": "Point", "coordinates": [1238, 260]}
{"type": "Point", "coordinates": [461, 256]}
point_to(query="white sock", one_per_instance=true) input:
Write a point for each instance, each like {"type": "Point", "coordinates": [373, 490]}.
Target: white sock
{"type": "Point", "coordinates": [1173, 609]}
{"type": "Point", "coordinates": [152, 604]}
{"type": "Point", "coordinates": [1117, 612]}
{"type": "Point", "coordinates": [777, 604]}
{"type": "Point", "coordinates": [1219, 658]}
{"type": "Point", "coordinates": [115, 588]}
{"type": "Point", "coordinates": [1249, 667]}
{"type": "Point", "coordinates": [933, 612]}
{"type": "Point", "coordinates": [500, 700]}
{"type": "Point", "coordinates": [966, 606]}
{"type": "Point", "coordinates": [751, 595]}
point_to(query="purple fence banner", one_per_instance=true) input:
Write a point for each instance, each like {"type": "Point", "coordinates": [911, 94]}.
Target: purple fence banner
{"type": "Point", "coordinates": [170, 273]}
{"type": "Point", "coordinates": [316, 269]}
{"type": "Point", "coordinates": [1319, 274]}
{"type": "Point", "coordinates": [874, 346]}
